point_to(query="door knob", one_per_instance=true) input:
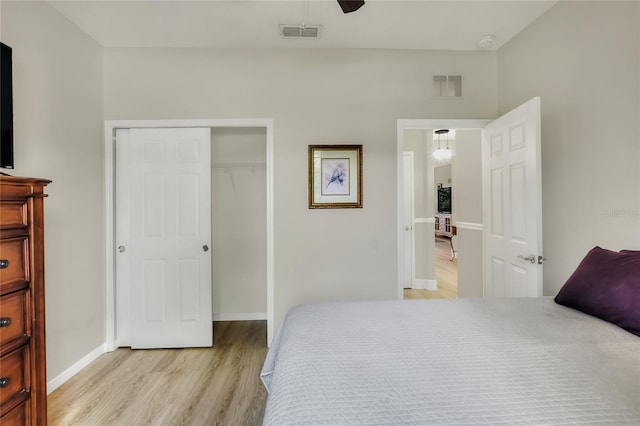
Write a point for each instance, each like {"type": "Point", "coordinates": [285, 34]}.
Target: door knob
{"type": "Point", "coordinates": [531, 258]}
{"type": "Point", "coordinates": [121, 249]}
{"type": "Point", "coordinates": [406, 228]}
{"type": "Point", "coordinates": [205, 248]}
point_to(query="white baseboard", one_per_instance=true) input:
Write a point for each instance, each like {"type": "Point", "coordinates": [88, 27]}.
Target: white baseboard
{"type": "Point", "coordinates": [251, 316]}
{"type": "Point", "coordinates": [57, 381]}
{"type": "Point", "coordinates": [422, 284]}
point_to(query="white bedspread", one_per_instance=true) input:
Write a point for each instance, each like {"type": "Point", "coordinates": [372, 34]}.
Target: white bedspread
{"type": "Point", "coordinates": [462, 362]}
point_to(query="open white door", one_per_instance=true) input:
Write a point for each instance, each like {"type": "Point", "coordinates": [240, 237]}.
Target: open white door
{"type": "Point", "coordinates": [512, 203]}
{"type": "Point", "coordinates": [408, 218]}
{"type": "Point", "coordinates": [168, 262]}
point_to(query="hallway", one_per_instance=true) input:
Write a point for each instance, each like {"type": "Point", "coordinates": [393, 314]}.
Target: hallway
{"type": "Point", "coordinates": [446, 274]}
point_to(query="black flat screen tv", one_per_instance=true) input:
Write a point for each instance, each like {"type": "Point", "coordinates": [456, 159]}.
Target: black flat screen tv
{"type": "Point", "coordinates": [6, 107]}
{"type": "Point", "coordinates": [444, 200]}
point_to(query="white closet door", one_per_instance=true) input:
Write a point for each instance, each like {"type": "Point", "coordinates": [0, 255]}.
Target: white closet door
{"type": "Point", "coordinates": [167, 252]}
{"type": "Point", "coordinates": [512, 203]}
{"type": "Point", "coordinates": [408, 219]}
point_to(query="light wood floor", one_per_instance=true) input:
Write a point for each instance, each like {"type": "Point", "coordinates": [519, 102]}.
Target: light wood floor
{"type": "Point", "coordinates": [446, 274]}
{"type": "Point", "coordinates": [198, 386]}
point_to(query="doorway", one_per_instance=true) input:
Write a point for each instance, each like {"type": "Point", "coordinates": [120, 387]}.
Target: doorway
{"type": "Point", "coordinates": [442, 191]}
{"type": "Point", "coordinates": [510, 237]}
{"type": "Point", "coordinates": [110, 130]}
{"type": "Point", "coordinates": [238, 219]}
{"type": "Point", "coordinates": [436, 246]}
{"type": "Point", "coordinates": [163, 234]}
{"type": "Point", "coordinates": [435, 275]}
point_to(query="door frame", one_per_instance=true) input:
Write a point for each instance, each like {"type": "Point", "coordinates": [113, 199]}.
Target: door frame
{"type": "Point", "coordinates": [110, 127]}
{"type": "Point", "coordinates": [420, 124]}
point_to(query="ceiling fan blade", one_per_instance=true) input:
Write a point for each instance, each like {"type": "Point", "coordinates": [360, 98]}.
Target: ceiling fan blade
{"type": "Point", "coordinates": [350, 5]}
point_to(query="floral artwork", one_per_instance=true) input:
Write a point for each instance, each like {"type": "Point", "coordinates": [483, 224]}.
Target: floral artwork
{"type": "Point", "coordinates": [335, 176]}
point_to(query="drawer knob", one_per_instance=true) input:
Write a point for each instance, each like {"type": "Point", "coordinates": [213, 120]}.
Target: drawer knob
{"type": "Point", "coordinates": [4, 263]}
{"type": "Point", "coordinates": [4, 382]}
{"type": "Point", "coordinates": [5, 322]}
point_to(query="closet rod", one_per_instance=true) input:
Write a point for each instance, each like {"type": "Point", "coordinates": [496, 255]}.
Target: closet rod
{"type": "Point", "coordinates": [234, 165]}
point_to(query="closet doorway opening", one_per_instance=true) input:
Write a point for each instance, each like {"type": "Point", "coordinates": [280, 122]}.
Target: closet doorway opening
{"type": "Point", "coordinates": [238, 223]}
{"type": "Point", "coordinates": [240, 163]}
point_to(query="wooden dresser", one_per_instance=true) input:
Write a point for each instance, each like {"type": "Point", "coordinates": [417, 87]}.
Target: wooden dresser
{"type": "Point", "coordinates": [23, 381]}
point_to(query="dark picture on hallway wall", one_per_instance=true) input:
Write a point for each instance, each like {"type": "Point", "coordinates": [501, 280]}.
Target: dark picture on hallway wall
{"type": "Point", "coordinates": [444, 200]}
{"type": "Point", "coordinates": [335, 176]}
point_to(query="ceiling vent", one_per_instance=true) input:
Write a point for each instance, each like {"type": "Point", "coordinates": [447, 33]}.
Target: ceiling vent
{"type": "Point", "coordinates": [300, 31]}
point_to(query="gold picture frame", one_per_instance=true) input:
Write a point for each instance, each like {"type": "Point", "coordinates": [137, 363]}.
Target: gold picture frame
{"type": "Point", "coordinates": [335, 176]}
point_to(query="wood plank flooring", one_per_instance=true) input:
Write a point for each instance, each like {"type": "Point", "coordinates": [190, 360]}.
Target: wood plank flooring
{"type": "Point", "coordinates": [196, 386]}
{"type": "Point", "coordinates": [446, 274]}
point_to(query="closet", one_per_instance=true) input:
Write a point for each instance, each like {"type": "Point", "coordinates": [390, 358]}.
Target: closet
{"type": "Point", "coordinates": [158, 177]}
{"type": "Point", "coordinates": [238, 219]}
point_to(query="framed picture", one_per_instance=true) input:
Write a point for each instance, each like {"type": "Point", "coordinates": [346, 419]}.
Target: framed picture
{"type": "Point", "coordinates": [335, 176]}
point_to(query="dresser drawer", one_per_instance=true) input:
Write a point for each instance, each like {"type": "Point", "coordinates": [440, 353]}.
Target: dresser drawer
{"type": "Point", "coordinates": [16, 417]}
{"type": "Point", "coordinates": [12, 316]}
{"type": "Point", "coordinates": [13, 374]}
{"type": "Point", "coordinates": [13, 214]}
{"type": "Point", "coordinates": [14, 261]}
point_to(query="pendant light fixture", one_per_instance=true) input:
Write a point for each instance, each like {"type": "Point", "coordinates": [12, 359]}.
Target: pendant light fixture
{"type": "Point", "coordinates": [442, 154]}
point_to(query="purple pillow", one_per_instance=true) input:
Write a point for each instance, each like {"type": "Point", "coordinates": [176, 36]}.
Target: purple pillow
{"type": "Point", "coordinates": [606, 285]}
{"type": "Point", "coordinates": [636, 252]}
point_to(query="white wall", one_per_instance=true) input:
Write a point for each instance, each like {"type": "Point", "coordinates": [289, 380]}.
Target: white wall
{"type": "Point", "coordinates": [239, 223]}
{"type": "Point", "coordinates": [57, 73]}
{"type": "Point", "coordinates": [466, 175]}
{"type": "Point", "coordinates": [466, 171]}
{"type": "Point", "coordinates": [314, 97]}
{"type": "Point", "coordinates": [582, 58]}
{"type": "Point", "coordinates": [442, 176]}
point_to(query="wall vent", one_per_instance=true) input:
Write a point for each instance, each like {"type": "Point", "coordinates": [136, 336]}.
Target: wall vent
{"type": "Point", "coordinates": [300, 31]}
{"type": "Point", "coordinates": [447, 86]}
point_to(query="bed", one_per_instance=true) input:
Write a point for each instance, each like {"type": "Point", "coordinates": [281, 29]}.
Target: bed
{"type": "Point", "coordinates": [465, 361]}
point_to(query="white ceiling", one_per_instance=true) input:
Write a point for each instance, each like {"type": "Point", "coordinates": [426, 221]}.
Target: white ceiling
{"type": "Point", "coordinates": [394, 24]}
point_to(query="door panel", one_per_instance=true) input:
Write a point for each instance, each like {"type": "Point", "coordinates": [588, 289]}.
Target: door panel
{"type": "Point", "coordinates": [512, 181]}
{"type": "Point", "coordinates": [188, 289]}
{"type": "Point", "coordinates": [518, 197]}
{"type": "Point", "coordinates": [155, 284]}
{"type": "Point", "coordinates": [169, 211]}
{"type": "Point", "coordinates": [408, 219]}
{"type": "Point", "coordinates": [497, 203]}
{"type": "Point", "coordinates": [154, 206]}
